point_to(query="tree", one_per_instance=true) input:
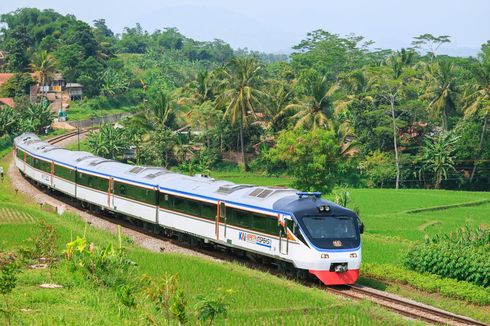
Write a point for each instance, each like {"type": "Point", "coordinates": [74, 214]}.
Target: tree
{"type": "Point", "coordinates": [441, 90]}
{"type": "Point", "coordinates": [390, 86]}
{"type": "Point", "coordinates": [114, 83]}
{"type": "Point", "coordinates": [430, 43]}
{"type": "Point", "coordinates": [438, 156]}
{"type": "Point", "coordinates": [316, 107]}
{"type": "Point", "coordinates": [9, 121]}
{"type": "Point", "coordinates": [17, 86]}
{"type": "Point", "coordinates": [478, 100]}
{"type": "Point", "coordinates": [310, 157]}
{"type": "Point", "coordinates": [241, 94]}
{"type": "Point", "coordinates": [36, 117]}
{"type": "Point", "coordinates": [16, 45]}
{"type": "Point", "coordinates": [44, 65]}
{"type": "Point", "coordinates": [108, 142]}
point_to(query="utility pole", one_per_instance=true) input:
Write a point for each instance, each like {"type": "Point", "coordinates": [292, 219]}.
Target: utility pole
{"type": "Point", "coordinates": [78, 136]}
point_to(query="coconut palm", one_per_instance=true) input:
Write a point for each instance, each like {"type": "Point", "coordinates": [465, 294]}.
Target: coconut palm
{"type": "Point", "coordinates": [438, 156]}
{"type": "Point", "coordinates": [276, 105]}
{"type": "Point", "coordinates": [159, 113]}
{"type": "Point", "coordinates": [316, 109]}
{"type": "Point", "coordinates": [478, 102]}
{"type": "Point", "coordinates": [43, 64]}
{"type": "Point", "coordinates": [241, 95]}
{"type": "Point", "coordinates": [441, 90]}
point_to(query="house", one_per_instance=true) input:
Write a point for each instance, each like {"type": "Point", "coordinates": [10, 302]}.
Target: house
{"type": "Point", "coordinates": [54, 83]}
{"type": "Point", "coordinates": [75, 91]}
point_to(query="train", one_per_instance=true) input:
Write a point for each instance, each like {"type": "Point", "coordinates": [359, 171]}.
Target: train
{"type": "Point", "coordinates": [300, 230]}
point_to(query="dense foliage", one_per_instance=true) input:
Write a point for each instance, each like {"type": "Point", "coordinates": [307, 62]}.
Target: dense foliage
{"type": "Point", "coordinates": [392, 115]}
{"type": "Point", "coordinates": [462, 255]}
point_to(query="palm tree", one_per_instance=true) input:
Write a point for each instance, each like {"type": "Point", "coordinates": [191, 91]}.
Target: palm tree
{"type": "Point", "coordinates": [44, 65]}
{"type": "Point", "coordinates": [478, 102]}
{"type": "Point", "coordinates": [276, 105]}
{"type": "Point", "coordinates": [441, 90]}
{"type": "Point", "coordinates": [158, 114]}
{"type": "Point", "coordinates": [241, 95]}
{"type": "Point", "coordinates": [316, 109]}
{"type": "Point", "coordinates": [438, 156]}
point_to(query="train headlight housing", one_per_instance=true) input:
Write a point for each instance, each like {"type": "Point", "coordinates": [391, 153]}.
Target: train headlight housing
{"type": "Point", "coordinates": [353, 255]}
{"type": "Point", "coordinates": [324, 209]}
{"type": "Point", "coordinates": [325, 256]}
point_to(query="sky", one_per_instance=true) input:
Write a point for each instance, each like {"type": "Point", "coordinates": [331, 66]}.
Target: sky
{"type": "Point", "coordinates": [275, 26]}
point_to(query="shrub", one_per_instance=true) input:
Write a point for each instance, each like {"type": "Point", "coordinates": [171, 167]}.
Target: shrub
{"type": "Point", "coordinates": [461, 255]}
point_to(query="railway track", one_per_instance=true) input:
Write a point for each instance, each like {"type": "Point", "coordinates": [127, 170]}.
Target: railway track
{"type": "Point", "coordinates": [402, 306]}
{"type": "Point", "coordinates": [60, 138]}
{"type": "Point", "coordinates": [399, 305]}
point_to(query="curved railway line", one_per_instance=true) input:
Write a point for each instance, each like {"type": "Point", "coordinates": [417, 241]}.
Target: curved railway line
{"type": "Point", "coordinates": [397, 304]}
{"type": "Point", "coordinates": [60, 138]}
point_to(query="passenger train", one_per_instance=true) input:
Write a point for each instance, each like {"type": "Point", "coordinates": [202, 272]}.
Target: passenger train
{"type": "Point", "coordinates": [298, 229]}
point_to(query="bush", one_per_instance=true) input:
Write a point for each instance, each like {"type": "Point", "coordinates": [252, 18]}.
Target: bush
{"type": "Point", "coordinates": [462, 255]}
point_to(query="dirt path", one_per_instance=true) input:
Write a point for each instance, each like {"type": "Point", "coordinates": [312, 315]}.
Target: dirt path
{"type": "Point", "coordinates": [143, 240]}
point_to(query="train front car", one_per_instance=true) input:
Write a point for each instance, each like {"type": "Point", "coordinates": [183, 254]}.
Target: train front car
{"type": "Point", "coordinates": [331, 235]}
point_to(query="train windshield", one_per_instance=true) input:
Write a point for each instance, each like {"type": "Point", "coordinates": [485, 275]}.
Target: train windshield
{"type": "Point", "coordinates": [332, 231]}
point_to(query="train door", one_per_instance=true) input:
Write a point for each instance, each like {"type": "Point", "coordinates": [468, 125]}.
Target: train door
{"type": "Point", "coordinates": [221, 219]}
{"type": "Point", "coordinates": [110, 193]}
{"type": "Point", "coordinates": [283, 234]}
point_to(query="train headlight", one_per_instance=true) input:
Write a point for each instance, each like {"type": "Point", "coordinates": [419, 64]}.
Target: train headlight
{"type": "Point", "coordinates": [325, 256]}
{"type": "Point", "coordinates": [353, 255]}
{"type": "Point", "coordinates": [324, 208]}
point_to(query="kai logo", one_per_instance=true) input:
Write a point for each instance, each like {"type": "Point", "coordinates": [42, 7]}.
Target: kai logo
{"type": "Point", "coordinates": [337, 243]}
{"type": "Point", "coordinates": [256, 239]}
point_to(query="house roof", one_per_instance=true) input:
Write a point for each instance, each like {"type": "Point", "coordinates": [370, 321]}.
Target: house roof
{"type": "Point", "coordinates": [7, 101]}
{"type": "Point", "coordinates": [4, 77]}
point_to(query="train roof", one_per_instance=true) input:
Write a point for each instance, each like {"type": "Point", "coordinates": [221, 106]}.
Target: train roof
{"type": "Point", "coordinates": [199, 185]}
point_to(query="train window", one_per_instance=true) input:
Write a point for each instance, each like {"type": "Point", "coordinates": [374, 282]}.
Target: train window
{"type": "Point", "coordinates": [266, 224]}
{"type": "Point", "coordinates": [180, 204]}
{"type": "Point", "coordinates": [134, 192]}
{"type": "Point", "coordinates": [193, 208]}
{"type": "Point", "coordinates": [208, 211]}
{"type": "Point", "coordinates": [243, 218]}
{"type": "Point", "coordinates": [20, 154]}
{"type": "Point", "coordinates": [65, 173]}
{"type": "Point", "coordinates": [165, 201]}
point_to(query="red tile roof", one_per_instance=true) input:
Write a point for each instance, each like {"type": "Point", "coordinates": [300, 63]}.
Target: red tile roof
{"type": "Point", "coordinates": [4, 77]}
{"type": "Point", "coordinates": [7, 101]}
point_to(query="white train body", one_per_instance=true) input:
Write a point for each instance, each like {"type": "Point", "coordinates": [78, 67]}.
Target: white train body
{"type": "Point", "coordinates": [304, 230]}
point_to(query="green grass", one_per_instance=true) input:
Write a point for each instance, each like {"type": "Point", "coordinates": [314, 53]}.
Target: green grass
{"type": "Point", "coordinates": [259, 298]}
{"type": "Point", "coordinates": [78, 112]}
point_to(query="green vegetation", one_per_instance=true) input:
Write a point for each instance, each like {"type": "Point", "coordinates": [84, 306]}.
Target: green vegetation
{"type": "Point", "coordinates": [87, 110]}
{"type": "Point", "coordinates": [88, 293]}
{"type": "Point", "coordinates": [462, 255]}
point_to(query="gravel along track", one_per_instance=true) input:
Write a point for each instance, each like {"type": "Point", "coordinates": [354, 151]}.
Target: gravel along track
{"type": "Point", "coordinates": [402, 306]}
